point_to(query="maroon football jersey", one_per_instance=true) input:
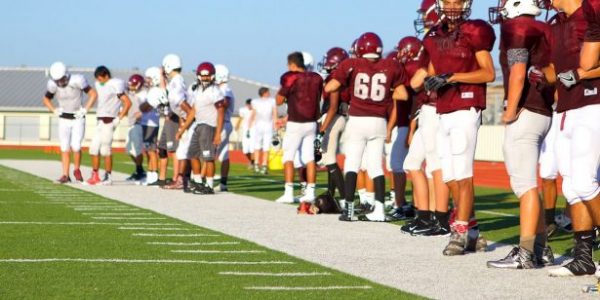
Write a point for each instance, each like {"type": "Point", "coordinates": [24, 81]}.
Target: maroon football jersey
{"type": "Point", "coordinates": [568, 36]}
{"type": "Point", "coordinates": [344, 97]}
{"type": "Point", "coordinates": [591, 9]}
{"type": "Point", "coordinates": [371, 84]}
{"type": "Point", "coordinates": [303, 93]}
{"type": "Point", "coordinates": [454, 52]}
{"type": "Point", "coordinates": [534, 36]}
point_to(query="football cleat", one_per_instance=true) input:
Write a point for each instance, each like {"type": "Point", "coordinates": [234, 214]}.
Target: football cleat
{"type": "Point", "coordinates": [107, 180]}
{"type": "Point", "coordinates": [457, 244]}
{"type": "Point", "coordinates": [377, 215]}
{"type": "Point", "coordinates": [438, 229]}
{"type": "Point", "coordinates": [94, 180]}
{"type": "Point", "coordinates": [409, 227]}
{"type": "Point", "coordinates": [545, 256]}
{"type": "Point", "coordinates": [286, 199]}
{"type": "Point", "coordinates": [77, 175]}
{"type": "Point", "coordinates": [397, 214]}
{"type": "Point", "coordinates": [63, 179]}
{"type": "Point", "coordinates": [564, 223]}
{"type": "Point", "coordinates": [551, 229]}
{"type": "Point", "coordinates": [478, 244]}
{"type": "Point", "coordinates": [175, 185]}
{"type": "Point", "coordinates": [348, 214]}
{"type": "Point", "coordinates": [304, 209]}
{"type": "Point", "coordinates": [517, 258]}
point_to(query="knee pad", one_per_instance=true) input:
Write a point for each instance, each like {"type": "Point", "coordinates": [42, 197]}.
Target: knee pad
{"type": "Point", "coordinates": [520, 185]}
{"type": "Point", "coordinates": [162, 153]}
{"type": "Point", "coordinates": [568, 192]}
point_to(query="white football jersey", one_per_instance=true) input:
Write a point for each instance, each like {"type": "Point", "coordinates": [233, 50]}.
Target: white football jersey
{"type": "Point", "coordinates": [264, 109]}
{"type": "Point", "coordinates": [69, 97]}
{"type": "Point", "coordinates": [204, 103]}
{"type": "Point", "coordinates": [226, 90]}
{"type": "Point", "coordinates": [109, 103]}
{"type": "Point", "coordinates": [176, 93]}
{"type": "Point", "coordinates": [245, 115]}
{"type": "Point", "coordinates": [136, 100]}
{"type": "Point", "coordinates": [150, 118]}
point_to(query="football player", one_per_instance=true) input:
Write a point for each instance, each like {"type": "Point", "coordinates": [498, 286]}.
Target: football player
{"type": "Point", "coordinates": [209, 111]}
{"type": "Point", "coordinates": [335, 110]}
{"type": "Point", "coordinates": [577, 148]}
{"type": "Point", "coordinates": [178, 111]}
{"type": "Point", "coordinates": [247, 136]}
{"type": "Point", "coordinates": [301, 90]}
{"type": "Point", "coordinates": [263, 122]}
{"type": "Point", "coordinates": [113, 105]}
{"type": "Point", "coordinates": [222, 79]}
{"type": "Point", "coordinates": [68, 90]}
{"type": "Point", "coordinates": [427, 17]}
{"type": "Point", "coordinates": [524, 42]}
{"type": "Point", "coordinates": [135, 135]}
{"type": "Point", "coordinates": [460, 67]}
{"type": "Point", "coordinates": [374, 83]}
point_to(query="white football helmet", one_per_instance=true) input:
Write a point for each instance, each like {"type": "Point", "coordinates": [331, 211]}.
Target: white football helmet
{"type": "Point", "coordinates": [153, 76]}
{"type": "Point", "coordinates": [221, 74]}
{"type": "Point", "coordinates": [171, 62]}
{"type": "Point", "coordinates": [509, 9]}
{"type": "Point", "coordinates": [58, 70]}
{"type": "Point", "coordinates": [309, 61]}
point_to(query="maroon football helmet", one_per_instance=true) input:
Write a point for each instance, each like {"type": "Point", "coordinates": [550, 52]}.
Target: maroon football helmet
{"type": "Point", "coordinates": [369, 45]}
{"type": "Point", "coordinates": [205, 69]}
{"type": "Point", "coordinates": [409, 48]}
{"type": "Point", "coordinates": [331, 60]}
{"type": "Point", "coordinates": [451, 14]}
{"type": "Point", "coordinates": [352, 50]}
{"type": "Point", "coordinates": [135, 82]}
{"type": "Point", "coordinates": [427, 16]}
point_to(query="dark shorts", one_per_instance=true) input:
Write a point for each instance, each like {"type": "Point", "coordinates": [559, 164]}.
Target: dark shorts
{"type": "Point", "coordinates": [150, 137]}
{"type": "Point", "coordinates": [201, 145]}
{"type": "Point", "coordinates": [167, 139]}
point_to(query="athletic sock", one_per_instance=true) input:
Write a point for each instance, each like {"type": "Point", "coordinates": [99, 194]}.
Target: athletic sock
{"type": "Point", "coordinates": [368, 197]}
{"type": "Point", "coordinates": [423, 215]}
{"type": "Point", "coordinates": [330, 182]}
{"type": "Point", "coordinates": [442, 218]}
{"type": "Point", "coordinates": [379, 183]}
{"type": "Point", "coordinates": [350, 186]}
{"type": "Point", "coordinates": [197, 178]}
{"type": "Point", "coordinates": [210, 182]}
{"type": "Point", "coordinates": [549, 215]}
{"type": "Point", "coordinates": [224, 180]}
{"type": "Point", "coordinates": [139, 169]}
{"type": "Point", "coordinates": [527, 243]}
{"type": "Point", "coordinates": [289, 189]}
{"type": "Point", "coordinates": [541, 240]}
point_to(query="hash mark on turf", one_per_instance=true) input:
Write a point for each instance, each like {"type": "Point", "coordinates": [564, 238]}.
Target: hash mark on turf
{"type": "Point", "coordinates": [156, 228]}
{"type": "Point", "coordinates": [127, 218]}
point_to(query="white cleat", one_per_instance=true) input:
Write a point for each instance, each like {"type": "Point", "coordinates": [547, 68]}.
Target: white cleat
{"type": "Point", "coordinates": [286, 199]}
{"type": "Point", "coordinates": [378, 214]}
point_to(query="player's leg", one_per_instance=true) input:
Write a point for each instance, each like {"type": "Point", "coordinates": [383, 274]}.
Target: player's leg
{"type": "Point", "coordinates": [106, 140]}
{"type": "Point", "coordinates": [94, 151]}
{"type": "Point", "coordinates": [64, 134]}
{"type": "Point", "coordinates": [150, 134]}
{"type": "Point", "coordinates": [413, 165]}
{"type": "Point", "coordinates": [307, 156]}
{"type": "Point", "coordinates": [290, 145]}
{"type": "Point", "coordinates": [375, 149]}
{"type": "Point", "coordinates": [398, 156]}
{"type": "Point", "coordinates": [548, 172]}
{"type": "Point", "coordinates": [77, 135]}
{"type": "Point", "coordinates": [335, 177]}
{"type": "Point", "coordinates": [354, 146]}
{"type": "Point", "coordinates": [223, 156]}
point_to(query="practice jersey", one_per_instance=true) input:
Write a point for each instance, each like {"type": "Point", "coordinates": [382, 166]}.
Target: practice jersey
{"type": "Point", "coordinates": [230, 98]}
{"type": "Point", "coordinates": [176, 93]}
{"type": "Point", "coordinates": [205, 102]}
{"type": "Point", "coordinates": [263, 108]}
{"type": "Point", "coordinates": [302, 91]}
{"type": "Point", "coordinates": [109, 94]}
{"type": "Point", "coordinates": [69, 97]}
{"type": "Point", "coordinates": [245, 116]}
{"type": "Point", "coordinates": [454, 52]}
{"type": "Point", "coordinates": [136, 100]}
{"type": "Point", "coordinates": [591, 10]}
{"type": "Point", "coordinates": [343, 100]}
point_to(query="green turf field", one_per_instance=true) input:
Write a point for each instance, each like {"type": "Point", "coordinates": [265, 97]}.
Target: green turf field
{"type": "Point", "coordinates": [497, 209]}
{"type": "Point", "coordinates": [94, 254]}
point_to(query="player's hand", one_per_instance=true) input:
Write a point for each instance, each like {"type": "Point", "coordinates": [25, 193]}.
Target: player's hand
{"type": "Point", "coordinates": [388, 137]}
{"type": "Point", "coordinates": [116, 122]}
{"type": "Point", "coordinates": [57, 111]}
{"type": "Point", "coordinates": [509, 117]}
{"type": "Point", "coordinates": [179, 134]}
{"type": "Point", "coordinates": [568, 78]}
{"type": "Point", "coordinates": [80, 114]}
{"type": "Point", "coordinates": [434, 83]}
{"type": "Point", "coordinates": [408, 140]}
{"type": "Point", "coordinates": [536, 77]}
{"type": "Point", "coordinates": [217, 140]}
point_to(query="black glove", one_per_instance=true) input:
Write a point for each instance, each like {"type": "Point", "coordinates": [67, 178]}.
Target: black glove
{"type": "Point", "coordinates": [434, 83]}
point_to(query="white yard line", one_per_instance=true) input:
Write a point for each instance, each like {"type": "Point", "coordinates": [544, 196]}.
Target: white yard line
{"type": "Point", "coordinates": [269, 274]}
{"type": "Point", "coordinates": [127, 218]}
{"type": "Point", "coordinates": [175, 234]}
{"type": "Point", "coordinates": [495, 213]}
{"type": "Point", "coordinates": [193, 244]}
{"type": "Point", "coordinates": [156, 228]}
{"type": "Point", "coordinates": [219, 251]}
{"type": "Point", "coordinates": [85, 223]}
{"type": "Point", "coordinates": [106, 209]}
{"type": "Point", "coordinates": [142, 261]}
{"type": "Point", "coordinates": [308, 288]}
{"type": "Point", "coordinates": [117, 214]}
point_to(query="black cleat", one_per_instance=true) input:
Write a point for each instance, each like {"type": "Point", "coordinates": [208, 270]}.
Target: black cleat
{"type": "Point", "coordinates": [517, 258]}
{"type": "Point", "coordinates": [422, 227]}
{"type": "Point", "coordinates": [348, 213]}
{"type": "Point", "coordinates": [438, 230]}
{"type": "Point", "coordinates": [158, 183]}
{"type": "Point", "coordinates": [545, 256]}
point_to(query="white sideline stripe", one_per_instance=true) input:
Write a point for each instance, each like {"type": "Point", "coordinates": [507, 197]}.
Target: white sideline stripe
{"type": "Point", "coordinates": [126, 218]}
{"type": "Point", "coordinates": [308, 288]}
{"type": "Point", "coordinates": [85, 223]}
{"type": "Point", "coordinates": [174, 234]}
{"type": "Point", "coordinates": [105, 208]}
{"type": "Point", "coordinates": [275, 274]}
{"type": "Point", "coordinates": [97, 206]}
{"type": "Point", "coordinates": [156, 228]}
{"type": "Point", "coordinates": [219, 251]}
{"type": "Point", "coordinates": [489, 212]}
{"type": "Point", "coordinates": [143, 261]}
{"type": "Point", "coordinates": [192, 244]}
{"type": "Point", "coordinates": [118, 214]}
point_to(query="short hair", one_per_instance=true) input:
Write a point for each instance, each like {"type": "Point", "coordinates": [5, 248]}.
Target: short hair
{"type": "Point", "coordinates": [102, 71]}
{"type": "Point", "coordinates": [263, 90]}
{"type": "Point", "coordinates": [249, 100]}
{"type": "Point", "coordinates": [297, 59]}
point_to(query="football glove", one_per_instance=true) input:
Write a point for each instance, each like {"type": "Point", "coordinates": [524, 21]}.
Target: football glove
{"type": "Point", "coordinates": [434, 83]}
{"type": "Point", "coordinates": [536, 77]}
{"type": "Point", "coordinates": [568, 78]}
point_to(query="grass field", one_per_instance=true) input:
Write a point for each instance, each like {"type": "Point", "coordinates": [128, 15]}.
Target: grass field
{"type": "Point", "coordinates": [96, 253]}
{"type": "Point", "coordinates": [170, 270]}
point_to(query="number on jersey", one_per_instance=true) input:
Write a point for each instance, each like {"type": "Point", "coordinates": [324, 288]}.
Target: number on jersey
{"type": "Point", "coordinates": [367, 87]}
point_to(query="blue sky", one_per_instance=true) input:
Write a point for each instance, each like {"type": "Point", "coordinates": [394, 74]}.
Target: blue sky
{"type": "Point", "coordinates": [251, 37]}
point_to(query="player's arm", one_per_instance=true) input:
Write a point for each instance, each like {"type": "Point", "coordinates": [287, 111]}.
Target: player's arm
{"type": "Point", "coordinates": [416, 82]}
{"type": "Point", "coordinates": [550, 73]}
{"type": "Point", "coordinates": [220, 119]}
{"type": "Point", "coordinates": [332, 86]}
{"type": "Point", "coordinates": [391, 122]}
{"type": "Point", "coordinates": [183, 126]}
{"type": "Point", "coordinates": [48, 101]}
{"type": "Point", "coordinates": [590, 55]}
{"type": "Point", "coordinates": [484, 74]}
{"type": "Point", "coordinates": [189, 111]}
{"type": "Point", "coordinates": [126, 102]}
{"type": "Point", "coordinates": [334, 100]}
{"type": "Point", "coordinates": [517, 60]}
{"type": "Point", "coordinates": [92, 97]}
{"type": "Point", "coordinates": [279, 99]}
{"type": "Point", "coordinates": [400, 93]}
{"type": "Point", "coordinates": [412, 127]}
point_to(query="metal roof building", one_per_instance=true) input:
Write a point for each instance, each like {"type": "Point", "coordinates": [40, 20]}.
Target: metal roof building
{"type": "Point", "coordinates": [22, 89]}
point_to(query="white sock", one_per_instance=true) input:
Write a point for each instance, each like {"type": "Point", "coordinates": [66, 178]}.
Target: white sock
{"type": "Point", "coordinates": [151, 176]}
{"type": "Point", "coordinates": [197, 178]}
{"type": "Point", "coordinates": [370, 198]}
{"type": "Point", "coordinates": [361, 195]}
{"type": "Point", "coordinates": [342, 204]}
{"type": "Point", "coordinates": [209, 182]}
{"type": "Point", "coordinates": [289, 189]}
{"type": "Point", "coordinates": [310, 190]}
